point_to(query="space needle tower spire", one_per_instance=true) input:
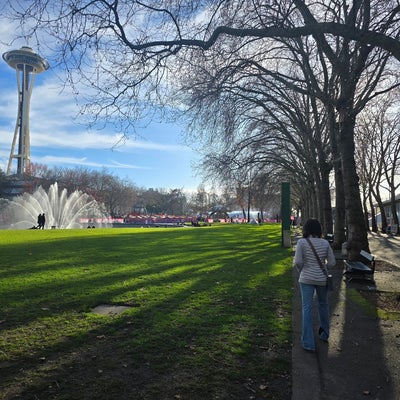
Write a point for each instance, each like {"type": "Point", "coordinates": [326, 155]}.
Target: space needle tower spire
{"type": "Point", "coordinates": [26, 64]}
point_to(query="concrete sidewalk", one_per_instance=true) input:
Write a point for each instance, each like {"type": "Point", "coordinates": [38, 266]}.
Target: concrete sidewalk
{"type": "Point", "coordinates": [361, 359]}
{"type": "Point", "coordinates": [385, 247]}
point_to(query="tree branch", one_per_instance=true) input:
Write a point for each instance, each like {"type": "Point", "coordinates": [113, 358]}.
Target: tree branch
{"type": "Point", "coordinates": [367, 37]}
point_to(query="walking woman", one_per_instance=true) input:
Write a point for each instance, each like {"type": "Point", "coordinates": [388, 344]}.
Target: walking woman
{"type": "Point", "coordinates": [312, 280]}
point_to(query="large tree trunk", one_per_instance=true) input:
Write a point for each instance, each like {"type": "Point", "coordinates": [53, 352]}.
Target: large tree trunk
{"type": "Point", "coordinates": [356, 232]}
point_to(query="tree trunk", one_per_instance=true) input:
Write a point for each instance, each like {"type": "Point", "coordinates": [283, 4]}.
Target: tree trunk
{"type": "Point", "coordinates": [356, 232]}
{"type": "Point", "coordinates": [319, 213]}
{"type": "Point", "coordinates": [365, 207]}
{"type": "Point", "coordinates": [374, 225]}
{"type": "Point", "coordinates": [327, 219]}
{"type": "Point", "coordinates": [340, 213]}
{"type": "Point", "coordinates": [382, 210]}
{"type": "Point", "coordinates": [339, 231]}
{"type": "Point", "coordinates": [249, 205]}
{"type": "Point", "coordinates": [395, 219]}
{"type": "Point", "coordinates": [307, 210]}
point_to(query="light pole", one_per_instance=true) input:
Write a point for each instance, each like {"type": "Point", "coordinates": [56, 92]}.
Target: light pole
{"type": "Point", "coordinates": [26, 64]}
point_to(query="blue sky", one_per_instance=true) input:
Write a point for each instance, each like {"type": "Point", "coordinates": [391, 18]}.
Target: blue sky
{"type": "Point", "coordinates": [159, 159]}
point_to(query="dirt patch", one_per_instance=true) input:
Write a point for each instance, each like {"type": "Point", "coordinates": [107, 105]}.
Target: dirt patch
{"type": "Point", "coordinates": [386, 301]}
{"type": "Point", "coordinates": [385, 297]}
{"type": "Point", "coordinates": [110, 309]}
{"type": "Point", "coordinates": [384, 266]}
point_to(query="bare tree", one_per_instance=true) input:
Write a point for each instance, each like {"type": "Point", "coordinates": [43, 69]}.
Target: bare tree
{"type": "Point", "coordinates": [200, 201]}
{"type": "Point", "coordinates": [378, 153]}
{"type": "Point", "coordinates": [264, 123]}
{"type": "Point", "coordinates": [127, 50]}
{"type": "Point", "coordinates": [369, 166]}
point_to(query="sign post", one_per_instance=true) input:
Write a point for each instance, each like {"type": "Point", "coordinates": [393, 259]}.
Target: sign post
{"type": "Point", "coordinates": [285, 214]}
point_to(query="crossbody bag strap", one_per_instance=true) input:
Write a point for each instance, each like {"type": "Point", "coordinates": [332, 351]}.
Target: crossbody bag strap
{"type": "Point", "coordinates": [316, 256]}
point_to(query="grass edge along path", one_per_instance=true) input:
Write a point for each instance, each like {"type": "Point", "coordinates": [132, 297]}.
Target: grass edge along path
{"type": "Point", "coordinates": [209, 317]}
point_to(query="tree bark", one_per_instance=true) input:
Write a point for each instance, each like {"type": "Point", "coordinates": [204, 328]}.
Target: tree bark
{"type": "Point", "coordinates": [381, 207]}
{"type": "Point", "coordinates": [374, 226]}
{"type": "Point", "coordinates": [327, 218]}
{"type": "Point", "coordinates": [339, 231]}
{"type": "Point", "coordinates": [394, 229]}
{"type": "Point", "coordinates": [356, 233]}
{"type": "Point", "coordinates": [340, 213]}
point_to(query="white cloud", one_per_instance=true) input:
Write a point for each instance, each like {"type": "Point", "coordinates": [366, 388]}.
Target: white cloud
{"type": "Point", "coordinates": [52, 124]}
{"type": "Point", "coordinates": [83, 161]}
{"type": "Point", "coordinates": [116, 164]}
{"type": "Point", "coordinates": [100, 141]}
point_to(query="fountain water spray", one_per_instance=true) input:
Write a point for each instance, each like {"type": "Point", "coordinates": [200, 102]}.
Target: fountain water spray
{"type": "Point", "coordinates": [61, 210]}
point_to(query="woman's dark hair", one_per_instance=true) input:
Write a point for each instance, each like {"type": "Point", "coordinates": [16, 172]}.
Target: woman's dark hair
{"type": "Point", "coordinates": [312, 227]}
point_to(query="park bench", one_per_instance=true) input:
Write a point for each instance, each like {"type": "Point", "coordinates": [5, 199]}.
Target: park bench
{"type": "Point", "coordinates": [363, 269]}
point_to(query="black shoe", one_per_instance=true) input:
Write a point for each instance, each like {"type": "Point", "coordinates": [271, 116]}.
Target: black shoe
{"type": "Point", "coordinates": [320, 332]}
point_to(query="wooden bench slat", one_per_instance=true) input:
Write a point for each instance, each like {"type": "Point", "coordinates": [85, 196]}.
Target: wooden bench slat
{"type": "Point", "coordinates": [357, 265]}
{"type": "Point", "coordinates": [367, 256]}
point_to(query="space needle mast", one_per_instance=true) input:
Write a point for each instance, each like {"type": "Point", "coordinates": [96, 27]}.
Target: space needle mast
{"type": "Point", "coordinates": [27, 64]}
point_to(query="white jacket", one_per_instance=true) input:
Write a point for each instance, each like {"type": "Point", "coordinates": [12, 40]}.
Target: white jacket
{"type": "Point", "coordinates": [304, 259]}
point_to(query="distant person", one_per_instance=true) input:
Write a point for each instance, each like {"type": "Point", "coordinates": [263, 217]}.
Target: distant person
{"type": "Point", "coordinates": [41, 221]}
{"type": "Point", "coordinates": [313, 279]}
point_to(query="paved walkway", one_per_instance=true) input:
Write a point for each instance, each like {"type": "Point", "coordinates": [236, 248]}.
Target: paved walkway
{"type": "Point", "coordinates": [362, 359]}
{"type": "Point", "coordinates": [385, 247]}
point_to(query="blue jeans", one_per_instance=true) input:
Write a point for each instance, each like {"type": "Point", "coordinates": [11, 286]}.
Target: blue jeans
{"type": "Point", "coordinates": [307, 298]}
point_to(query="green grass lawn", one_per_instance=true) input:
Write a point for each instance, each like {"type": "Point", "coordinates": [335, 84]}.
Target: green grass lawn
{"type": "Point", "coordinates": [209, 316]}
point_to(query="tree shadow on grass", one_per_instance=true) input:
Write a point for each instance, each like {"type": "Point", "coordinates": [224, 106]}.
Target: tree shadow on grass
{"type": "Point", "coordinates": [214, 325]}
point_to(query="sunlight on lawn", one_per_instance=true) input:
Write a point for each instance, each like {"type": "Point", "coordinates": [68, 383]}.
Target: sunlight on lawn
{"type": "Point", "coordinates": [198, 297]}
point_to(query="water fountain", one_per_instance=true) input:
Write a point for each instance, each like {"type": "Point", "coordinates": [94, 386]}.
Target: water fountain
{"type": "Point", "coordinates": [78, 210]}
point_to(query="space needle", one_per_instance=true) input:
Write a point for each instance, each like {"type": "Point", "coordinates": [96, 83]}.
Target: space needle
{"type": "Point", "coordinates": [27, 64]}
